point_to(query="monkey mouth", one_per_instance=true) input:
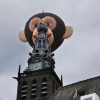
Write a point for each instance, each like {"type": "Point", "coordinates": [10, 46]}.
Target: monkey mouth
{"type": "Point", "coordinates": [49, 35]}
{"type": "Point", "coordinates": [35, 36]}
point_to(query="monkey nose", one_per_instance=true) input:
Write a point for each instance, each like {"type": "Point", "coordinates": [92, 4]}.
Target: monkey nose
{"type": "Point", "coordinates": [42, 27]}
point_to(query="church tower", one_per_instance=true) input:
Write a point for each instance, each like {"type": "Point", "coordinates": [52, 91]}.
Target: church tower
{"type": "Point", "coordinates": [39, 80]}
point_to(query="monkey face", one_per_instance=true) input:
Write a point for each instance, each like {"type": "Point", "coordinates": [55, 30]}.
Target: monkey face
{"type": "Point", "coordinates": [48, 21]}
{"type": "Point", "coordinates": [57, 31]}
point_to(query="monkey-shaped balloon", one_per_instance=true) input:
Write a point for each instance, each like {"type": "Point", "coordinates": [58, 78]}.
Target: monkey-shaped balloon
{"type": "Point", "coordinates": [57, 31]}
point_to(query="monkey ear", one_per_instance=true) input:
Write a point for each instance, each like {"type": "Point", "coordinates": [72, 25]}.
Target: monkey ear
{"type": "Point", "coordinates": [68, 32]}
{"type": "Point", "coordinates": [22, 36]}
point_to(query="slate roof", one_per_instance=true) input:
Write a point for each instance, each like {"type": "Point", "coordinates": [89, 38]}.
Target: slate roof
{"type": "Point", "coordinates": [67, 92]}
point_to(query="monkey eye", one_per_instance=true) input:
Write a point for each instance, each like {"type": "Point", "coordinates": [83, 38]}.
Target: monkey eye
{"type": "Point", "coordinates": [35, 25]}
{"type": "Point", "coordinates": [48, 24]}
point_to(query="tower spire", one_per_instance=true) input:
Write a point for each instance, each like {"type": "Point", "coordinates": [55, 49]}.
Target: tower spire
{"type": "Point", "coordinates": [19, 69]}
{"type": "Point", "coordinates": [42, 12]}
{"type": "Point", "coordinates": [62, 79]}
{"type": "Point", "coordinates": [41, 56]}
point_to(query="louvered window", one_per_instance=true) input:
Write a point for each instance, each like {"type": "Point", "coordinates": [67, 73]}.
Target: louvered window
{"type": "Point", "coordinates": [24, 90]}
{"type": "Point", "coordinates": [44, 87]}
{"type": "Point", "coordinates": [53, 86]}
{"type": "Point", "coordinates": [34, 89]}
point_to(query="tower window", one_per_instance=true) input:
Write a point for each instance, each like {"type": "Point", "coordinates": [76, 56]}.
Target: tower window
{"type": "Point", "coordinates": [34, 89]}
{"type": "Point", "coordinates": [53, 86]}
{"type": "Point", "coordinates": [56, 86]}
{"type": "Point", "coordinates": [43, 41]}
{"type": "Point", "coordinates": [44, 87]}
{"type": "Point", "coordinates": [81, 93]}
{"type": "Point", "coordinates": [39, 41]}
{"type": "Point", "coordinates": [90, 98]}
{"type": "Point", "coordinates": [24, 90]}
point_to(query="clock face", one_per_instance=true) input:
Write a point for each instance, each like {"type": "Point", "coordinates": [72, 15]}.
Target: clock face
{"type": "Point", "coordinates": [36, 66]}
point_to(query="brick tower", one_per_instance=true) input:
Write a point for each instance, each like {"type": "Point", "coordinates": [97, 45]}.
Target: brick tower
{"type": "Point", "coordinates": [39, 80]}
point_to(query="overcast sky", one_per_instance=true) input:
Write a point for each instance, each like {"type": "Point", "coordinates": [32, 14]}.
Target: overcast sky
{"type": "Point", "coordinates": [78, 58]}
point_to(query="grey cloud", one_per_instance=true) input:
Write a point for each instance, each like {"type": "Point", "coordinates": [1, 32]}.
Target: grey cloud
{"type": "Point", "coordinates": [77, 58]}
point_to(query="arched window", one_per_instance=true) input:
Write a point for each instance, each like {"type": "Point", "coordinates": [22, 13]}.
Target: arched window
{"type": "Point", "coordinates": [53, 86]}
{"type": "Point", "coordinates": [34, 89]}
{"type": "Point", "coordinates": [44, 87]}
{"type": "Point", "coordinates": [23, 90]}
{"type": "Point", "coordinates": [56, 86]}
